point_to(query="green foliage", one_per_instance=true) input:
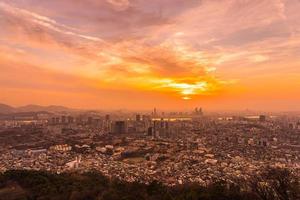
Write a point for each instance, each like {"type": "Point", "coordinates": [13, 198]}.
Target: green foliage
{"type": "Point", "coordinates": [281, 185]}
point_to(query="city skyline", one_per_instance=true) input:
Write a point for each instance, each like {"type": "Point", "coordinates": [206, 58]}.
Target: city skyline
{"type": "Point", "coordinates": [134, 54]}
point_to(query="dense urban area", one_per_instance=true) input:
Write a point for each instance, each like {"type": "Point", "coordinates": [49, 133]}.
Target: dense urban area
{"type": "Point", "coordinates": [172, 148]}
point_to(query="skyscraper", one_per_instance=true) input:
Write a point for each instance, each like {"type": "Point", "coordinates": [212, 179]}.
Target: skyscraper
{"type": "Point", "coordinates": [262, 118]}
{"type": "Point", "coordinates": [154, 112]}
{"type": "Point", "coordinates": [119, 127]}
{"type": "Point", "coordinates": [138, 117]}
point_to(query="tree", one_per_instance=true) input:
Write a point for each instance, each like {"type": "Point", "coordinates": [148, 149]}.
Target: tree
{"type": "Point", "coordinates": [276, 184]}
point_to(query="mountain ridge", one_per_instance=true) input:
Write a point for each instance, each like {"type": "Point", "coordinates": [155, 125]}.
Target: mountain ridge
{"type": "Point", "coordinates": [7, 109]}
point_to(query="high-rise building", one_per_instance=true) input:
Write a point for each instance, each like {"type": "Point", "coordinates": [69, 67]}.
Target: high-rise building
{"type": "Point", "coordinates": [119, 127]}
{"type": "Point", "coordinates": [198, 111]}
{"type": "Point", "coordinates": [154, 112]}
{"type": "Point", "coordinates": [138, 118]}
{"type": "Point", "coordinates": [160, 128]}
{"type": "Point", "coordinates": [262, 118]}
{"type": "Point", "coordinates": [150, 131]}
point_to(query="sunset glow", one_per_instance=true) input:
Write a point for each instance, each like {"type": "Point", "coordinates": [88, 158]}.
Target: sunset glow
{"type": "Point", "coordinates": [138, 54]}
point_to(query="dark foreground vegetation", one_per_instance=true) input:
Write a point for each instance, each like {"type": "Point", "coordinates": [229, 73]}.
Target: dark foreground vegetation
{"type": "Point", "coordinates": [272, 184]}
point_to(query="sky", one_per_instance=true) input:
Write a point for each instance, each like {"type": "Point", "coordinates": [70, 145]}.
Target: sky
{"type": "Point", "coordinates": [140, 54]}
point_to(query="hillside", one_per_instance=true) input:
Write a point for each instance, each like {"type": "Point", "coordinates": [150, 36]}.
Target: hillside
{"type": "Point", "coordinates": [280, 185]}
{"type": "Point", "coordinates": [6, 109]}
{"type": "Point", "coordinates": [37, 108]}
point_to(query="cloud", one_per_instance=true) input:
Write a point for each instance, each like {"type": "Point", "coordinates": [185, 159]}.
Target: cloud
{"type": "Point", "coordinates": [119, 4]}
{"type": "Point", "coordinates": [187, 48]}
{"type": "Point", "coordinates": [164, 61]}
{"type": "Point", "coordinates": [44, 21]}
{"type": "Point", "coordinates": [259, 58]}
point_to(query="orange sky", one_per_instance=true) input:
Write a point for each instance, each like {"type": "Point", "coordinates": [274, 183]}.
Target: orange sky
{"type": "Point", "coordinates": [140, 54]}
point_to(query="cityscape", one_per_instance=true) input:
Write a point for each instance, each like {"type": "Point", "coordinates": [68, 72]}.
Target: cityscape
{"type": "Point", "coordinates": [149, 100]}
{"type": "Point", "coordinates": [169, 147]}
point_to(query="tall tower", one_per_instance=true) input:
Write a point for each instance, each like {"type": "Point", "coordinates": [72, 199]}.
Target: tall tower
{"type": "Point", "coordinates": [154, 112]}
{"type": "Point", "coordinates": [200, 112]}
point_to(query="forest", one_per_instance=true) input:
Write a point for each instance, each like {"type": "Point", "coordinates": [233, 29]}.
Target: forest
{"type": "Point", "coordinates": [270, 184]}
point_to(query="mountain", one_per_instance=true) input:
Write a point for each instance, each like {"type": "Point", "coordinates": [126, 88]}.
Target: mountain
{"type": "Point", "coordinates": [6, 109]}
{"type": "Point", "coordinates": [54, 108]}
{"type": "Point", "coordinates": [37, 108]}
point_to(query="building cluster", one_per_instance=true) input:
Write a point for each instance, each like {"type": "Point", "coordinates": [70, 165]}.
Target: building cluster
{"type": "Point", "coordinates": [170, 148]}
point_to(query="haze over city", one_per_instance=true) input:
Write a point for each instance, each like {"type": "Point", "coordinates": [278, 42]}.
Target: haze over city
{"type": "Point", "coordinates": [136, 54]}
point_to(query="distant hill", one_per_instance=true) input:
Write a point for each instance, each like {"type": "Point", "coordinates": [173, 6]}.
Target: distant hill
{"type": "Point", "coordinates": [37, 108]}
{"type": "Point", "coordinates": [23, 115]}
{"type": "Point", "coordinates": [6, 109]}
